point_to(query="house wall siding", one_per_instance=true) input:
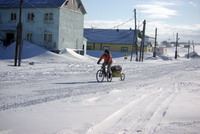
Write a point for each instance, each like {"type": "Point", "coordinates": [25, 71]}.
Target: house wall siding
{"type": "Point", "coordinates": [71, 29]}
{"type": "Point", "coordinates": [5, 20]}
{"type": "Point", "coordinates": [37, 27]}
{"type": "Point", "coordinates": [66, 27]}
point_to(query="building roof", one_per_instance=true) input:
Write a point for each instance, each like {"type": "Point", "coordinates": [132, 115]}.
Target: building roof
{"type": "Point", "coordinates": [36, 3]}
{"type": "Point", "coordinates": [111, 36]}
{"type": "Point", "coordinates": [32, 3]}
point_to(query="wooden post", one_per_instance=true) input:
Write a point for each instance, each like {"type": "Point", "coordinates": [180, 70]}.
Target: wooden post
{"type": "Point", "coordinates": [143, 38]}
{"type": "Point", "coordinates": [18, 50]}
{"type": "Point", "coordinates": [154, 52]}
{"type": "Point", "coordinates": [176, 53]}
{"type": "Point", "coordinates": [135, 39]}
{"type": "Point", "coordinates": [188, 56]}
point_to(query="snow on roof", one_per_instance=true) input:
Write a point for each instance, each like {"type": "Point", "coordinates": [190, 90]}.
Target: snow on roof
{"type": "Point", "coordinates": [111, 36]}
{"type": "Point", "coordinates": [32, 3]}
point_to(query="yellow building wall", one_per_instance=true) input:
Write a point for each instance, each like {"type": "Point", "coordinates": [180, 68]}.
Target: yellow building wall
{"type": "Point", "coordinates": [112, 47]}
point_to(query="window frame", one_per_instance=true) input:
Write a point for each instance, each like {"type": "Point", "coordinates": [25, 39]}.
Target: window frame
{"type": "Point", "coordinates": [48, 37]}
{"type": "Point", "coordinates": [89, 47]}
{"type": "Point", "coordinates": [48, 17]}
{"type": "Point", "coordinates": [13, 16]}
{"type": "Point", "coordinates": [29, 36]}
{"type": "Point", "coordinates": [124, 49]}
{"type": "Point", "coordinates": [30, 17]}
{"type": "Point", "coordinates": [106, 48]}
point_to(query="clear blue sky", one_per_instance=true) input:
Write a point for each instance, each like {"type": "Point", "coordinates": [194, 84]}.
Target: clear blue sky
{"type": "Point", "coordinates": [169, 16]}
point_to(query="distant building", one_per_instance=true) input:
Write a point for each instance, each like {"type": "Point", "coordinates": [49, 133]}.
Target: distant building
{"type": "Point", "coordinates": [117, 40]}
{"type": "Point", "coordinates": [161, 51]}
{"type": "Point", "coordinates": [54, 24]}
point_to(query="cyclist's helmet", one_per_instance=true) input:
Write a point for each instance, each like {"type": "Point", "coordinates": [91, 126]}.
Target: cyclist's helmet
{"type": "Point", "coordinates": [106, 51]}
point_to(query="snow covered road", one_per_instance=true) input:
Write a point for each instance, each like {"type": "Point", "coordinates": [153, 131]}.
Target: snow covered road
{"type": "Point", "coordinates": [59, 95]}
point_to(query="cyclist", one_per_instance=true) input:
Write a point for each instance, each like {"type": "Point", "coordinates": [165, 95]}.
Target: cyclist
{"type": "Point", "coordinates": [107, 61]}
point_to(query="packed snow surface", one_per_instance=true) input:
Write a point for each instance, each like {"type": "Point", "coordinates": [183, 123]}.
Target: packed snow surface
{"type": "Point", "coordinates": [59, 94]}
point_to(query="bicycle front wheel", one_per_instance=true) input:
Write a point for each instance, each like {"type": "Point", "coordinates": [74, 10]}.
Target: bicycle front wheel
{"type": "Point", "coordinates": [100, 76]}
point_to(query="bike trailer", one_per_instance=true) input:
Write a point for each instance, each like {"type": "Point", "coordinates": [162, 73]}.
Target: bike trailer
{"type": "Point", "coordinates": [116, 70]}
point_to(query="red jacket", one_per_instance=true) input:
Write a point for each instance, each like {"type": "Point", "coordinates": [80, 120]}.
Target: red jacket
{"type": "Point", "coordinates": [106, 57]}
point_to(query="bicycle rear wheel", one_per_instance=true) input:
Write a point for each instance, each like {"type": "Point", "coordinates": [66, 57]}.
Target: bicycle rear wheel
{"type": "Point", "coordinates": [100, 75]}
{"type": "Point", "coordinates": [122, 78]}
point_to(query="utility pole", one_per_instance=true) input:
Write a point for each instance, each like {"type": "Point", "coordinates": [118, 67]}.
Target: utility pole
{"type": "Point", "coordinates": [143, 39]}
{"type": "Point", "coordinates": [140, 57]}
{"type": "Point", "coordinates": [154, 52]}
{"type": "Point", "coordinates": [18, 50]}
{"type": "Point", "coordinates": [176, 53]}
{"type": "Point", "coordinates": [188, 56]}
{"type": "Point", "coordinates": [193, 46]}
{"type": "Point", "coordinates": [135, 39]}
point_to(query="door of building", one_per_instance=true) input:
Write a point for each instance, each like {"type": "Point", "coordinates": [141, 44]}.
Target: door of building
{"type": "Point", "coordinates": [9, 38]}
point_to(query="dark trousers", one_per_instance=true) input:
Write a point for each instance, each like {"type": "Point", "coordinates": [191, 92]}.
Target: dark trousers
{"type": "Point", "coordinates": [108, 67]}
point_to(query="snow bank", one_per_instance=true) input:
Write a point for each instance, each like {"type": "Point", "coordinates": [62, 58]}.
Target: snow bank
{"type": "Point", "coordinates": [72, 54]}
{"type": "Point", "coordinates": [29, 50]}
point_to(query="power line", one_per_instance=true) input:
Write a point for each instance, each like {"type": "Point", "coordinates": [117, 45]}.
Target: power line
{"type": "Point", "coordinates": [122, 23]}
{"type": "Point", "coordinates": [113, 26]}
{"type": "Point", "coordinates": [34, 6]}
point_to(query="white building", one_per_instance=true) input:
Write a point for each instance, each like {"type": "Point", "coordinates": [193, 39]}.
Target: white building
{"type": "Point", "coordinates": [161, 51]}
{"type": "Point", "coordinates": [54, 24]}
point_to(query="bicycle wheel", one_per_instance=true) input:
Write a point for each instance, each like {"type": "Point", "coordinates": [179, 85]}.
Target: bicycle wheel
{"type": "Point", "coordinates": [99, 75]}
{"type": "Point", "coordinates": [109, 79]}
{"type": "Point", "coordinates": [122, 77]}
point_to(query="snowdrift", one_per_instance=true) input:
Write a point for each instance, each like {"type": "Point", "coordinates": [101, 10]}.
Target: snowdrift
{"type": "Point", "coordinates": [37, 53]}
{"type": "Point", "coordinates": [29, 50]}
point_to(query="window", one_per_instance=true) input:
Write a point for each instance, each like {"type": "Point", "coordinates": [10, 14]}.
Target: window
{"type": "Point", "coordinates": [89, 47]}
{"type": "Point", "coordinates": [30, 16]}
{"type": "Point", "coordinates": [48, 16]}
{"type": "Point", "coordinates": [0, 19]}
{"type": "Point", "coordinates": [124, 49]}
{"type": "Point", "coordinates": [48, 37]}
{"type": "Point", "coordinates": [106, 48]}
{"type": "Point", "coordinates": [13, 16]}
{"type": "Point", "coordinates": [29, 36]}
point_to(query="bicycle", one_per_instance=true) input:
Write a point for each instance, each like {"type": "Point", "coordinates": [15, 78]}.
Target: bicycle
{"type": "Point", "coordinates": [103, 73]}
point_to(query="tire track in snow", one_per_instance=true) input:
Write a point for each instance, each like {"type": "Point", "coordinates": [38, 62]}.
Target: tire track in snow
{"type": "Point", "coordinates": [39, 96]}
{"type": "Point", "coordinates": [139, 116]}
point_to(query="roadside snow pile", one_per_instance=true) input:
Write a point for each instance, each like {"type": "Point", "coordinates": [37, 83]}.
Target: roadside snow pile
{"type": "Point", "coordinates": [29, 50]}
{"type": "Point", "coordinates": [70, 53]}
{"type": "Point", "coordinates": [36, 53]}
{"type": "Point", "coordinates": [194, 55]}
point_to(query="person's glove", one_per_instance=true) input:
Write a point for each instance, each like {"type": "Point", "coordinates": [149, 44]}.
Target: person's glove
{"type": "Point", "coordinates": [98, 62]}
